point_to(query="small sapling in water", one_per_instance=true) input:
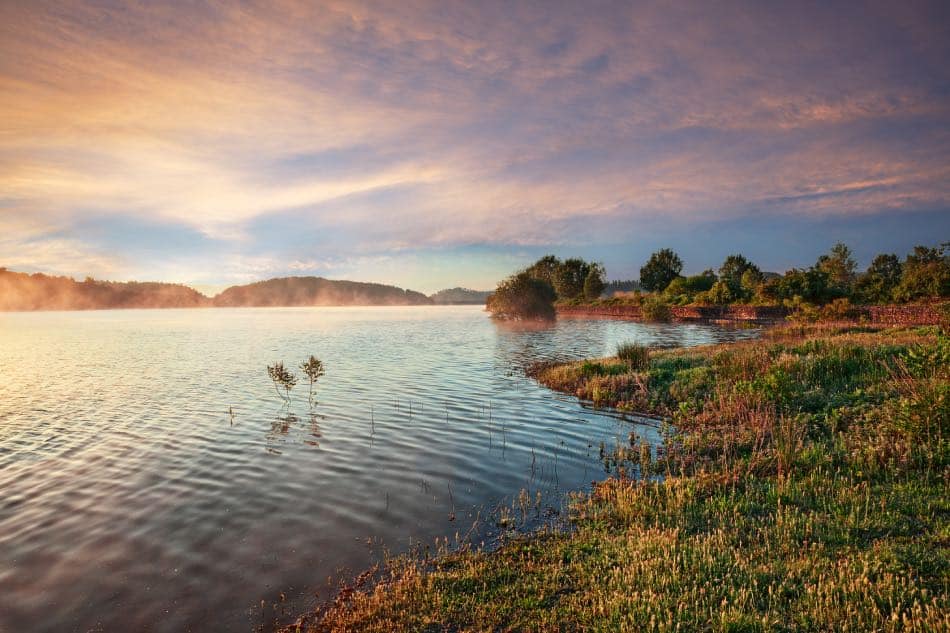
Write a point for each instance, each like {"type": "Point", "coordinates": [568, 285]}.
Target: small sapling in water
{"type": "Point", "coordinates": [282, 379]}
{"type": "Point", "coordinates": [313, 369]}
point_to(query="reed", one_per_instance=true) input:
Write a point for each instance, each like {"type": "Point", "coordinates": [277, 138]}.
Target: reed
{"type": "Point", "coordinates": [636, 356]}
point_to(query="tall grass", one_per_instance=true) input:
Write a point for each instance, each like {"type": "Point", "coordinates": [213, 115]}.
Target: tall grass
{"type": "Point", "coordinates": [636, 356]}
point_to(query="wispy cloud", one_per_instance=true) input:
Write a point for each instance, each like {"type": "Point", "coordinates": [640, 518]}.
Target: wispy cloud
{"type": "Point", "coordinates": [309, 132]}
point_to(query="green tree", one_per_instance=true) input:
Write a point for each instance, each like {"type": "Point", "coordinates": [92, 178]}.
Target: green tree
{"type": "Point", "coordinates": [732, 270]}
{"type": "Point", "coordinates": [720, 293]}
{"type": "Point", "coordinates": [925, 274]}
{"type": "Point", "coordinates": [752, 278]}
{"type": "Point", "coordinates": [522, 296]}
{"type": "Point", "coordinates": [878, 283]}
{"type": "Point", "coordinates": [840, 267]}
{"type": "Point", "coordinates": [594, 284]}
{"type": "Point", "coordinates": [545, 269]}
{"type": "Point", "coordinates": [809, 285]}
{"type": "Point", "coordinates": [570, 277]}
{"type": "Point", "coordinates": [663, 267]}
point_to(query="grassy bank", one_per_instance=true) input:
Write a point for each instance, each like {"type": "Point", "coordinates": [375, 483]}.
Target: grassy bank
{"type": "Point", "coordinates": [802, 485]}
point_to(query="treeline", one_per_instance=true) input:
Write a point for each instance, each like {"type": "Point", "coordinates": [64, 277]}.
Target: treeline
{"type": "Point", "coordinates": [832, 281]}
{"type": "Point", "coordinates": [923, 274]}
{"type": "Point", "coordinates": [531, 293]}
{"type": "Point", "coordinates": [24, 292]}
{"type": "Point", "coordinates": [459, 296]}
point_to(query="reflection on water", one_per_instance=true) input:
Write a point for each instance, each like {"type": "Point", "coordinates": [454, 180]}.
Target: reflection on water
{"type": "Point", "coordinates": [151, 479]}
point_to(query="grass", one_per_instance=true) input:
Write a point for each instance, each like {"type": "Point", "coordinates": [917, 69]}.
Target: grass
{"type": "Point", "coordinates": [636, 356]}
{"type": "Point", "coordinates": [802, 486]}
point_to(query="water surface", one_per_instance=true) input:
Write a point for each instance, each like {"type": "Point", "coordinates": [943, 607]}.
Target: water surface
{"type": "Point", "coordinates": [132, 499]}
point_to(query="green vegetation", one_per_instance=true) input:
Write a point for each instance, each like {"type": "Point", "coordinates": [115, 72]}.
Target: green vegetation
{"type": "Point", "coordinates": [655, 308]}
{"type": "Point", "coordinates": [531, 293]}
{"type": "Point", "coordinates": [636, 356]}
{"type": "Point", "coordinates": [802, 486]}
{"type": "Point", "coordinates": [522, 296]}
{"type": "Point", "coordinates": [924, 275]}
{"type": "Point", "coordinates": [662, 268]}
{"type": "Point", "coordinates": [594, 282]}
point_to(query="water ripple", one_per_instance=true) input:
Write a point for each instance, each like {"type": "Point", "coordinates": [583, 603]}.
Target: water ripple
{"type": "Point", "coordinates": [131, 499]}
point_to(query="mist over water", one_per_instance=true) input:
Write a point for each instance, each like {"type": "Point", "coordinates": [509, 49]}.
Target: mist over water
{"type": "Point", "coordinates": [131, 499]}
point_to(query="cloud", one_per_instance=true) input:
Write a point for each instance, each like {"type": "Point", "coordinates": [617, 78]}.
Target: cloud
{"type": "Point", "coordinates": [370, 127]}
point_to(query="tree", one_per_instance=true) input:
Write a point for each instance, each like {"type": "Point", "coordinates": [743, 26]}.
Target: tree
{"type": "Point", "coordinates": [522, 296]}
{"type": "Point", "coordinates": [570, 277]}
{"type": "Point", "coordinates": [720, 293]}
{"type": "Point", "coordinates": [839, 265]}
{"type": "Point", "coordinates": [732, 270]}
{"type": "Point", "coordinates": [594, 283]}
{"type": "Point", "coordinates": [878, 283]}
{"type": "Point", "coordinates": [809, 285]}
{"type": "Point", "coordinates": [545, 269]}
{"type": "Point", "coordinates": [925, 274]}
{"type": "Point", "coordinates": [663, 267]}
{"type": "Point", "coordinates": [752, 278]}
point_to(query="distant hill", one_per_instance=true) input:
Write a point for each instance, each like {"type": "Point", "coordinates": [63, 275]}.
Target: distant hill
{"type": "Point", "coordinates": [317, 291]}
{"type": "Point", "coordinates": [25, 292]}
{"type": "Point", "coordinates": [460, 295]}
{"type": "Point", "coordinates": [22, 291]}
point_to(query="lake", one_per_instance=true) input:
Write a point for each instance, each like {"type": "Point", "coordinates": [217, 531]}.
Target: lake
{"type": "Point", "coordinates": [151, 478]}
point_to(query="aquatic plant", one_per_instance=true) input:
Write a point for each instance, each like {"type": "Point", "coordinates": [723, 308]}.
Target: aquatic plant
{"type": "Point", "coordinates": [313, 370]}
{"type": "Point", "coordinates": [636, 356]}
{"type": "Point", "coordinates": [282, 379]}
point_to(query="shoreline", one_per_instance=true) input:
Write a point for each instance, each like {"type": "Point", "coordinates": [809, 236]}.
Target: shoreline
{"type": "Point", "coordinates": [894, 314]}
{"type": "Point", "coordinates": [772, 439]}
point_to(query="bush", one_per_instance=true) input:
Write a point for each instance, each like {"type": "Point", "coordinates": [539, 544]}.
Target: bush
{"type": "Point", "coordinates": [594, 284]}
{"type": "Point", "coordinates": [636, 356]}
{"type": "Point", "coordinates": [656, 309]}
{"type": "Point", "coordinates": [522, 297]}
{"type": "Point", "coordinates": [720, 294]}
{"type": "Point", "coordinates": [839, 310]}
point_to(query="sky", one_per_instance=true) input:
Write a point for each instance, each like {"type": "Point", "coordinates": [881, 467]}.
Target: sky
{"type": "Point", "coordinates": [440, 144]}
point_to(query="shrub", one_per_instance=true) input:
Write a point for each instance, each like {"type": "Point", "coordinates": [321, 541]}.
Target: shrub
{"type": "Point", "coordinates": [522, 297]}
{"type": "Point", "coordinates": [801, 310]}
{"type": "Point", "coordinates": [839, 310]}
{"type": "Point", "coordinates": [720, 294]}
{"type": "Point", "coordinates": [594, 284]}
{"type": "Point", "coordinates": [656, 309]}
{"type": "Point", "coordinates": [636, 356]}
